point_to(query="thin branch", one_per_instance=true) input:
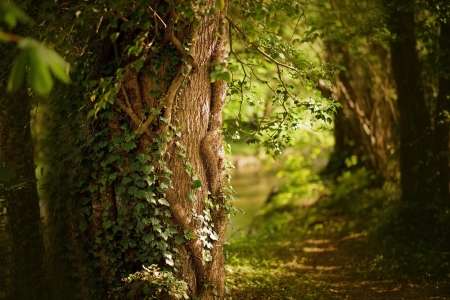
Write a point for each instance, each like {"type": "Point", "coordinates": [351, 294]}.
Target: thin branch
{"type": "Point", "coordinates": [170, 99]}
{"type": "Point", "coordinates": [134, 118]}
{"type": "Point", "coordinates": [169, 34]}
{"type": "Point", "coordinates": [296, 24]}
{"type": "Point", "coordinates": [154, 12]}
{"type": "Point", "coordinates": [99, 23]}
{"type": "Point", "coordinates": [256, 47]}
{"type": "Point", "coordinates": [124, 92]}
{"type": "Point", "coordinates": [284, 85]}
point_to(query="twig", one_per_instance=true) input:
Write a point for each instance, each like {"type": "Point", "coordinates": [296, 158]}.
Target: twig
{"type": "Point", "coordinates": [284, 85]}
{"type": "Point", "coordinates": [256, 47]}
{"type": "Point", "coordinates": [99, 23]}
{"type": "Point", "coordinates": [154, 12]}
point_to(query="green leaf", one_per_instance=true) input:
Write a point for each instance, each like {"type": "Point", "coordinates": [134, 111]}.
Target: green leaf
{"type": "Point", "coordinates": [138, 64]}
{"type": "Point", "coordinates": [252, 36]}
{"type": "Point", "coordinates": [196, 184]}
{"type": "Point", "coordinates": [39, 76]}
{"type": "Point", "coordinates": [191, 197]}
{"type": "Point", "coordinates": [58, 66]}
{"type": "Point", "coordinates": [12, 14]}
{"type": "Point", "coordinates": [163, 202]}
{"type": "Point", "coordinates": [107, 224]}
{"type": "Point", "coordinates": [189, 235]}
{"type": "Point", "coordinates": [18, 72]}
{"type": "Point", "coordinates": [143, 158]}
{"type": "Point", "coordinates": [220, 4]}
{"type": "Point", "coordinates": [226, 76]}
{"type": "Point", "coordinates": [114, 36]}
{"type": "Point", "coordinates": [42, 61]}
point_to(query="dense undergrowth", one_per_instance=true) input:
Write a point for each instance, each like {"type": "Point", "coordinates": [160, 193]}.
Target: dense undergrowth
{"type": "Point", "coordinates": [377, 241]}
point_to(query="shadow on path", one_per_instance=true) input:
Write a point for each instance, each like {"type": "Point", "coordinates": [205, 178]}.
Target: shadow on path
{"type": "Point", "coordinates": [326, 268]}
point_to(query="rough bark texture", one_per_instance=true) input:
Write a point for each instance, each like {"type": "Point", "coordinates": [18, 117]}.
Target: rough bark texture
{"type": "Point", "coordinates": [168, 105]}
{"type": "Point", "coordinates": [414, 119]}
{"type": "Point", "coordinates": [26, 247]}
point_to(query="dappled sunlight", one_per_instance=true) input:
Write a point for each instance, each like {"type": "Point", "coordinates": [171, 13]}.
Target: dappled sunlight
{"type": "Point", "coordinates": [316, 249]}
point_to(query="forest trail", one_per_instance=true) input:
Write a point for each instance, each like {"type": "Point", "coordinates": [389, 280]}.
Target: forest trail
{"type": "Point", "coordinates": [322, 268]}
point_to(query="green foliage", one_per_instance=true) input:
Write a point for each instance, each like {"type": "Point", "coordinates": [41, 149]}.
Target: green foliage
{"type": "Point", "coordinates": [11, 15]}
{"type": "Point", "coordinates": [41, 61]}
{"type": "Point", "coordinates": [153, 281]}
{"type": "Point", "coordinates": [272, 92]}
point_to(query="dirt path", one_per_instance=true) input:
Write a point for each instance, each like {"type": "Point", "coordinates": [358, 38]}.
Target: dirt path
{"type": "Point", "coordinates": [319, 269]}
{"type": "Point", "coordinates": [331, 263]}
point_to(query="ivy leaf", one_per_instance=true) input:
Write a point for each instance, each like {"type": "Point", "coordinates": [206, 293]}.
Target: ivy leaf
{"type": "Point", "coordinates": [191, 197]}
{"type": "Point", "coordinates": [107, 224]}
{"type": "Point", "coordinates": [163, 202]}
{"type": "Point", "coordinates": [169, 259]}
{"type": "Point", "coordinates": [143, 158]}
{"type": "Point", "coordinates": [189, 235]}
{"type": "Point", "coordinates": [138, 64]}
{"type": "Point", "coordinates": [196, 184]}
{"type": "Point", "coordinates": [214, 236]}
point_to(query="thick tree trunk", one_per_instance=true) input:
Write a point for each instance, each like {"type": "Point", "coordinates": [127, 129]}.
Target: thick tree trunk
{"type": "Point", "coordinates": [414, 118]}
{"type": "Point", "coordinates": [151, 180]}
{"type": "Point", "coordinates": [23, 211]}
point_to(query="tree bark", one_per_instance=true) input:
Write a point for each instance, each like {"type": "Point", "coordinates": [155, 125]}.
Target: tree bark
{"type": "Point", "coordinates": [414, 117]}
{"type": "Point", "coordinates": [153, 172]}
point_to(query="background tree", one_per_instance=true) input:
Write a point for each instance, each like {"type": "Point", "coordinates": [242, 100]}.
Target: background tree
{"type": "Point", "coordinates": [353, 35]}
{"type": "Point", "coordinates": [22, 248]}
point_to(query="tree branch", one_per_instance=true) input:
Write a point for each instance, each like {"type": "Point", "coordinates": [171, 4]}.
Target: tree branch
{"type": "Point", "coordinates": [256, 47]}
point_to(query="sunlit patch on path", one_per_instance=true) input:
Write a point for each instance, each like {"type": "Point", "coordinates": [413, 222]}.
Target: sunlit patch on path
{"type": "Point", "coordinates": [323, 269]}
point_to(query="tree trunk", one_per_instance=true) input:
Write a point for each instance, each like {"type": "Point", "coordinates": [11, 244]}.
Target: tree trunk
{"type": "Point", "coordinates": [365, 124]}
{"type": "Point", "coordinates": [23, 211]}
{"type": "Point", "coordinates": [149, 188]}
{"type": "Point", "coordinates": [442, 118]}
{"type": "Point", "coordinates": [414, 118]}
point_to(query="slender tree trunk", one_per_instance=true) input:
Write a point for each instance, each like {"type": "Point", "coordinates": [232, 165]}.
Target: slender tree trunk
{"type": "Point", "coordinates": [414, 118]}
{"type": "Point", "coordinates": [442, 117]}
{"type": "Point", "coordinates": [23, 211]}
